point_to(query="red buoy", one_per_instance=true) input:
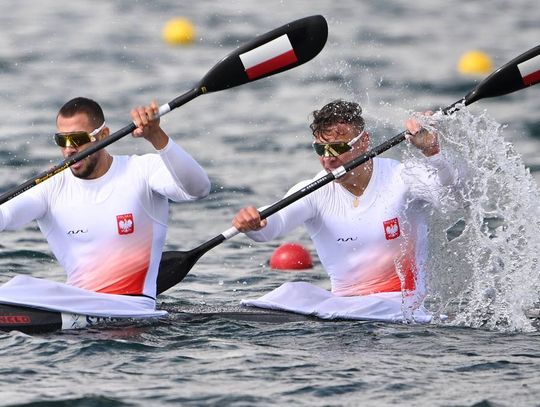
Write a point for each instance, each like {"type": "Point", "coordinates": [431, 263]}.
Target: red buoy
{"type": "Point", "coordinates": [291, 256]}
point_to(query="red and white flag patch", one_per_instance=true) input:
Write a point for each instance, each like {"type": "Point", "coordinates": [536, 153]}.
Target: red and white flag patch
{"type": "Point", "coordinates": [269, 57]}
{"type": "Point", "coordinates": [391, 228]}
{"type": "Point", "coordinates": [530, 70]}
{"type": "Point", "coordinates": [125, 224]}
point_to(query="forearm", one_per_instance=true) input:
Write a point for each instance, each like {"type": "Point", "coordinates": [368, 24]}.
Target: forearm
{"type": "Point", "coordinates": [185, 171]}
{"type": "Point", "coordinates": [446, 174]}
{"type": "Point", "coordinates": [159, 139]}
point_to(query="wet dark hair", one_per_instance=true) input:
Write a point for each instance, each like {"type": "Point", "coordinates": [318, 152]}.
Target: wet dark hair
{"type": "Point", "coordinates": [83, 105]}
{"type": "Point", "coordinates": [335, 112]}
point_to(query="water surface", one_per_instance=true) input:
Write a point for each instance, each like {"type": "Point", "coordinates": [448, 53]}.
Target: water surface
{"type": "Point", "coordinates": [393, 58]}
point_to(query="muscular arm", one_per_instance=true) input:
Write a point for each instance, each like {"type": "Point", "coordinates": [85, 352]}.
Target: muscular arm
{"type": "Point", "coordinates": [429, 181]}
{"type": "Point", "coordinates": [189, 180]}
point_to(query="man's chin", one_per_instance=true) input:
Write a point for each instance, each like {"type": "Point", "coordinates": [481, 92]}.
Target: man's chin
{"type": "Point", "coordinates": [79, 173]}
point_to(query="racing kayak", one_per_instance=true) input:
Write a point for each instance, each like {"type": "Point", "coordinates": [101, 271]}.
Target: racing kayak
{"type": "Point", "coordinates": [292, 301]}
{"type": "Point", "coordinates": [32, 320]}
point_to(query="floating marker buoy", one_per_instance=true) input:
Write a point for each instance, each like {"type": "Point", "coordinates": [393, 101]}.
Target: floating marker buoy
{"type": "Point", "coordinates": [178, 31]}
{"type": "Point", "coordinates": [475, 63]}
{"type": "Point", "coordinates": [291, 256]}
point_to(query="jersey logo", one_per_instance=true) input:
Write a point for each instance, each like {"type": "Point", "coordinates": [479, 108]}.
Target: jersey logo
{"type": "Point", "coordinates": [391, 228]}
{"type": "Point", "coordinates": [347, 239]}
{"type": "Point", "coordinates": [125, 224]}
{"type": "Point", "coordinates": [77, 231]}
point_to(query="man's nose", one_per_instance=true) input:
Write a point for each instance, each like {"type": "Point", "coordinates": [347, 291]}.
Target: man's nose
{"type": "Point", "coordinates": [69, 150]}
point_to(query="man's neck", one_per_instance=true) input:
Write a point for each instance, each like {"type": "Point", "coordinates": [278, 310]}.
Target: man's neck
{"type": "Point", "coordinates": [103, 166]}
{"type": "Point", "coordinates": [357, 180]}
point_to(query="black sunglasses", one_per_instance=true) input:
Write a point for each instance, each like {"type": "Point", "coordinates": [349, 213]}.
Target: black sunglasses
{"type": "Point", "coordinates": [76, 138]}
{"type": "Point", "coordinates": [335, 149]}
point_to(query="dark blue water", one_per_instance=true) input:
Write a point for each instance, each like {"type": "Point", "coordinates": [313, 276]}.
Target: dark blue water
{"type": "Point", "coordinates": [393, 58]}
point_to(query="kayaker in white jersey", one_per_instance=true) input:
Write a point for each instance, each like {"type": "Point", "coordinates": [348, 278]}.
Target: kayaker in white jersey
{"type": "Point", "coordinates": [106, 219]}
{"type": "Point", "coordinates": [368, 226]}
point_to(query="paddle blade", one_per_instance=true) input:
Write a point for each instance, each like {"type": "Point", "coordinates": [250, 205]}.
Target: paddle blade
{"type": "Point", "coordinates": [173, 267]}
{"type": "Point", "coordinates": [276, 51]}
{"type": "Point", "coordinates": [519, 73]}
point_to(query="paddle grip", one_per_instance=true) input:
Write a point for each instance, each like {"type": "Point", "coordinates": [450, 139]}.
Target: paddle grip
{"type": "Point", "coordinates": [231, 232]}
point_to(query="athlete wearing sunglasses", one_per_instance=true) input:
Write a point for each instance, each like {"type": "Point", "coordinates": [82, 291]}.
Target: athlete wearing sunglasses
{"type": "Point", "coordinates": [76, 130]}
{"type": "Point", "coordinates": [106, 219]}
{"type": "Point", "coordinates": [368, 226]}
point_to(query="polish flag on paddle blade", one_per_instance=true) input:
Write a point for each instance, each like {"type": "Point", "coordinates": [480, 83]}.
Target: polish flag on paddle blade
{"type": "Point", "coordinates": [530, 70]}
{"type": "Point", "coordinates": [269, 57]}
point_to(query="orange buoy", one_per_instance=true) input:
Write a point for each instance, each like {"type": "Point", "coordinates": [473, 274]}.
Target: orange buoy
{"type": "Point", "coordinates": [291, 256]}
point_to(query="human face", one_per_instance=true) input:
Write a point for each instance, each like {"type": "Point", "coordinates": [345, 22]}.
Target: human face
{"type": "Point", "coordinates": [347, 136]}
{"type": "Point", "coordinates": [88, 167]}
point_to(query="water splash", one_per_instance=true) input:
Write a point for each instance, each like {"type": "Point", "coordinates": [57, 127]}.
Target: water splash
{"type": "Point", "coordinates": [483, 258]}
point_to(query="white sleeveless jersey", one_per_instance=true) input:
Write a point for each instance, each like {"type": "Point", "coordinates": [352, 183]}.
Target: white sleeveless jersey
{"type": "Point", "coordinates": [373, 243]}
{"type": "Point", "coordinates": [108, 233]}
